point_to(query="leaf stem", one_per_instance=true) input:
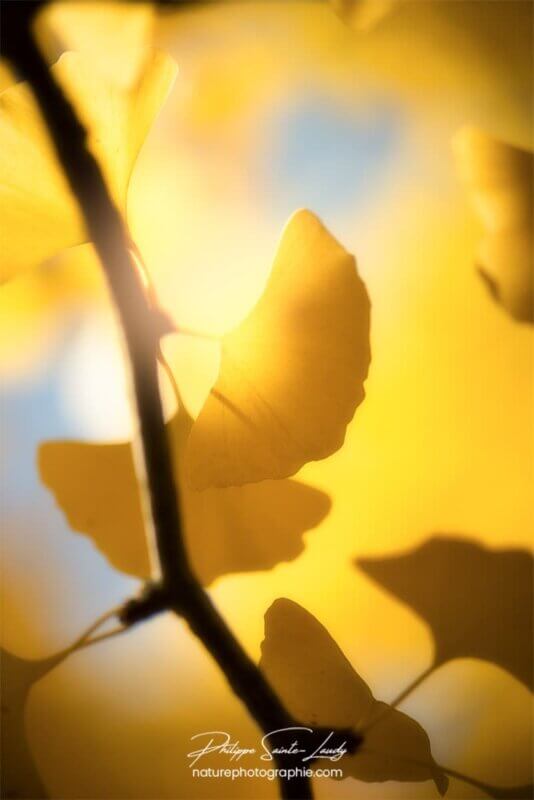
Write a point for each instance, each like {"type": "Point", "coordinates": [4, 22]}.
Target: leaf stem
{"type": "Point", "coordinates": [400, 697]}
{"type": "Point", "coordinates": [85, 640]}
{"type": "Point", "coordinates": [101, 637]}
{"type": "Point", "coordinates": [110, 239]}
{"type": "Point", "coordinates": [99, 621]}
{"type": "Point", "coordinates": [413, 685]}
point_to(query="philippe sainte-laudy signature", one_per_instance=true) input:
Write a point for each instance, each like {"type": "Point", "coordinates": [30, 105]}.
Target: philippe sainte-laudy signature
{"type": "Point", "coordinates": [295, 745]}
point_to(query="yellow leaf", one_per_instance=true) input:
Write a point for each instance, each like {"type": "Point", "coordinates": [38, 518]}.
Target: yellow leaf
{"type": "Point", "coordinates": [39, 216]}
{"type": "Point", "coordinates": [362, 15]}
{"type": "Point", "coordinates": [319, 687]}
{"type": "Point", "coordinates": [115, 34]}
{"type": "Point", "coordinates": [292, 372]}
{"type": "Point", "coordinates": [478, 603]}
{"type": "Point", "coordinates": [19, 773]}
{"type": "Point", "coordinates": [226, 530]}
{"type": "Point", "coordinates": [7, 78]}
{"type": "Point", "coordinates": [501, 180]}
{"type": "Point", "coordinates": [33, 305]}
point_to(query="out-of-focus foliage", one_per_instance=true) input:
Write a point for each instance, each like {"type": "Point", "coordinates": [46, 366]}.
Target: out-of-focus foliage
{"type": "Point", "coordinates": [6, 76]}
{"type": "Point", "coordinates": [478, 602]}
{"type": "Point", "coordinates": [362, 15]}
{"type": "Point", "coordinates": [226, 530]}
{"type": "Point", "coordinates": [501, 182]}
{"type": "Point", "coordinates": [17, 676]}
{"type": "Point", "coordinates": [320, 687]}
{"type": "Point", "coordinates": [117, 36]}
{"type": "Point", "coordinates": [27, 327]}
{"type": "Point", "coordinates": [39, 216]}
{"type": "Point", "coordinates": [292, 372]}
{"type": "Point", "coordinates": [470, 51]}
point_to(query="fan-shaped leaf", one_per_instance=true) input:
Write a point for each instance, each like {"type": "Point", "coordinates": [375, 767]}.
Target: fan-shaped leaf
{"type": "Point", "coordinates": [501, 181]}
{"type": "Point", "coordinates": [320, 687]}
{"type": "Point", "coordinates": [38, 214]}
{"type": "Point", "coordinates": [227, 530]}
{"type": "Point", "coordinates": [477, 602]}
{"type": "Point", "coordinates": [19, 773]}
{"type": "Point", "coordinates": [292, 373]}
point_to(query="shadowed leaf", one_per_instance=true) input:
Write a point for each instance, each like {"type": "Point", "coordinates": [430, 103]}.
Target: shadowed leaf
{"type": "Point", "coordinates": [19, 773]}
{"type": "Point", "coordinates": [39, 216]}
{"type": "Point", "coordinates": [500, 179]}
{"type": "Point", "coordinates": [477, 602]}
{"type": "Point", "coordinates": [525, 792]}
{"type": "Point", "coordinates": [292, 373]}
{"type": "Point", "coordinates": [227, 530]}
{"type": "Point", "coordinates": [319, 687]}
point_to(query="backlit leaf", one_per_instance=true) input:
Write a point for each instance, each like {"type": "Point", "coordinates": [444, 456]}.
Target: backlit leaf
{"type": "Point", "coordinates": [319, 687]}
{"type": "Point", "coordinates": [39, 216]}
{"type": "Point", "coordinates": [20, 777]}
{"type": "Point", "coordinates": [292, 372]}
{"type": "Point", "coordinates": [227, 530]}
{"type": "Point", "coordinates": [501, 182]}
{"type": "Point", "coordinates": [477, 602]}
{"type": "Point", "coordinates": [117, 35]}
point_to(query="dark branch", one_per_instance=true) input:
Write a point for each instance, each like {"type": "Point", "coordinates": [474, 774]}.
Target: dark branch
{"type": "Point", "coordinates": [105, 229]}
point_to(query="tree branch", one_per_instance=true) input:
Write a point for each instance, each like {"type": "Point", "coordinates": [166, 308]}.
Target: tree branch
{"type": "Point", "coordinates": [106, 230]}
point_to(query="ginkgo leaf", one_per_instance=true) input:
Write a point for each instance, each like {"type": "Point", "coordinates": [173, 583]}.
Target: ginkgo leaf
{"type": "Point", "coordinates": [117, 35]}
{"type": "Point", "coordinates": [477, 602]}
{"type": "Point", "coordinates": [20, 777]}
{"type": "Point", "coordinates": [292, 372]}
{"type": "Point", "coordinates": [362, 15]}
{"type": "Point", "coordinates": [501, 182]}
{"type": "Point", "coordinates": [319, 687]}
{"type": "Point", "coordinates": [38, 215]}
{"type": "Point", "coordinates": [227, 530]}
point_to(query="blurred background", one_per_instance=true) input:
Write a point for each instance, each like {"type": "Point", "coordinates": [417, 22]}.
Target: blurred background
{"type": "Point", "coordinates": [278, 106]}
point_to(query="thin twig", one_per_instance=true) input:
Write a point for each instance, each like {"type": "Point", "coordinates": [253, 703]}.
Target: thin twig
{"type": "Point", "coordinates": [99, 621]}
{"type": "Point", "coordinates": [102, 637]}
{"type": "Point", "coordinates": [390, 707]}
{"type": "Point", "coordinates": [105, 229]}
{"type": "Point", "coordinates": [413, 685]}
{"type": "Point", "coordinates": [85, 640]}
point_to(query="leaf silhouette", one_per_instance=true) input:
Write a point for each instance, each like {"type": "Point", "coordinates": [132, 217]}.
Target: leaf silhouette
{"type": "Point", "coordinates": [477, 602]}
{"type": "Point", "coordinates": [20, 777]}
{"type": "Point", "coordinates": [501, 181]}
{"type": "Point", "coordinates": [292, 372]}
{"type": "Point", "coordinates": [38, 214]}
{"type": "Point", "coordinates": [227, 530]}
{"type": "Point", "coordinates": [319, 687]}
{"type": "Point", "coordinates": [525, 792]}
